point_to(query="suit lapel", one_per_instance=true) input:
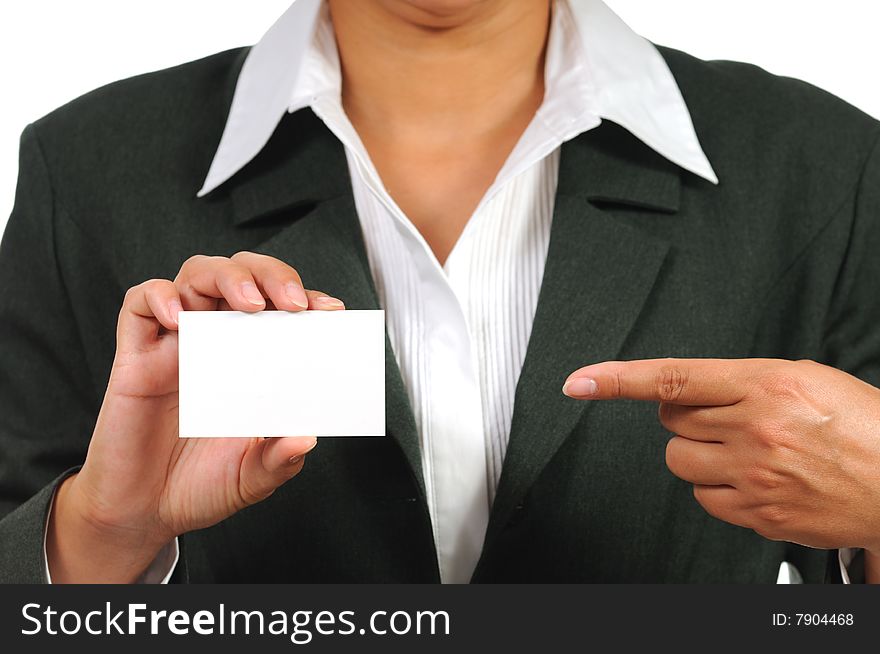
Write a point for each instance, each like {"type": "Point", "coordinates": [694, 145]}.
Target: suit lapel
{"type": "Point", "coordinates": [327, 249]}
{"type": "Point", "coordinates": [599, 273]}
{"type": "Point", "coordinates": [302, 173]}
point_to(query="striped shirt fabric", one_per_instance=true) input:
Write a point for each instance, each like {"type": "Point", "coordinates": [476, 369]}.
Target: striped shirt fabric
{"type": "Point", "coordinates": [459, 334]}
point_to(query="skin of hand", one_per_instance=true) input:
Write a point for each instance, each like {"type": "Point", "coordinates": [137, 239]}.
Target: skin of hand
{"type": "Point", "coordinates": [790, 449]}
{"type": "Point", "coordinates": [141, 485]}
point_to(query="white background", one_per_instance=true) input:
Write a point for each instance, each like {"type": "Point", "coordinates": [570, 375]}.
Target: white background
{"type": "Point", "coordinates": [54, 50]}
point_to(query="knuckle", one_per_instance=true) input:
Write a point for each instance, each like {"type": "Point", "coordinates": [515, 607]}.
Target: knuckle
{"type": "Point", "coordinates": [704, 500]}
{"type": "Point", "coordinates": [782, 384]}
{"type": "Point", "coordinates": [673, 455]}
{"type": "Point", "coordinates": [669, 416]}
{"type": "Point", "coordinates": [194, 260]}
{"type": "Point", "coordinates": [156, 285]}
{"type": "Point", "coordinates": [671, 382]}
{"type": "Point", "coordinates": [243, 255]}
{"type": "Point", "coordinates": [197, 262]}
{"type": "Point", "coordinates": [217, 261]}
{"type": "Point", "coordinates": [617, 383]}
{"type": "Point", "coordinates": [763, 478]}
{"type": "Point", "coordinates": [771, 519]}
{"type": "Point", "coordinates": [235, 269]}
{"type": "Point", "coordinates": [143, 289]}
{"type": "Point", "coordinates": [771, 431]}
{"type": "Point", "coordinates": [809, 364]}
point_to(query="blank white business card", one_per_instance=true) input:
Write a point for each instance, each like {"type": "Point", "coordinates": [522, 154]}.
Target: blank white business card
{"type": "Point", "coordinates": [274, 373]}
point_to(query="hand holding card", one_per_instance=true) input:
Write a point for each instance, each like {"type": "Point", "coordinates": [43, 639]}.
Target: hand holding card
{"type": "Point", "coordinates": [141, 485]}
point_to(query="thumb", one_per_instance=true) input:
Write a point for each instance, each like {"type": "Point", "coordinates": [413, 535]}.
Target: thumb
{"type": "Point", "coordinates": [269, 463]}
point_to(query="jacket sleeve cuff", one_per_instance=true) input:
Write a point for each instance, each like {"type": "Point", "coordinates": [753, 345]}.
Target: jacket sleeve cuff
{"type": "Point", "coordinates": [160, 570]}
{"type": "Point", "coordinates": [851, 562]}
{"type": "Point", "coordinates": [22, 538]}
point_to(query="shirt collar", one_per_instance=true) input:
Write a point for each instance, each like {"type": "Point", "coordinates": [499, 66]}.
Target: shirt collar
{"type": "Point", "coordinates": [603, 70]}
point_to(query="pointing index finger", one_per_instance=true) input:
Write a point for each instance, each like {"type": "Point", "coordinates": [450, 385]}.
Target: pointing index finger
{"type": "Point", "coordinates": [695, 382]}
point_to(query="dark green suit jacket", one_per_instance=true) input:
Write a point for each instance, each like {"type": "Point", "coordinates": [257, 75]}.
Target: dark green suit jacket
{"type": "Point", "coordinates": [782, 259]}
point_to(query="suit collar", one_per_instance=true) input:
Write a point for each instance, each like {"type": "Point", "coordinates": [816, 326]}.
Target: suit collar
{"type": "Point", "coordinates": [635, 87]}
{"type": "Point", "coordinates": [262, 93]}
{"type": "Point", "coordinates": [609, 166]}
{"type": "Point", "coordinates": [304, 165]}
{"type": "Point", "coordinates": [597, 68]}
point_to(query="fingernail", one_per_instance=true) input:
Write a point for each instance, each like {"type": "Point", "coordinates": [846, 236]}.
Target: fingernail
{"type": "Point", "coordinates": [329, 302]}
{"type": "Point", "coordinates": [297, 295]}
{"type": "Point", "coordinates": [252, 294]}
{"type": "Point", "coordinates": [174, 307]}
{"type": "Point", "coordinates": [298, 457]}
{"type": "Point", "coordinates": [580, 387]}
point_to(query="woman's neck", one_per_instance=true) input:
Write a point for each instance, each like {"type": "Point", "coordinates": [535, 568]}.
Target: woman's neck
{"type": "Point", "coordinates": [425, 74]}
{"type": "Point", "coordinates": [440, 99]}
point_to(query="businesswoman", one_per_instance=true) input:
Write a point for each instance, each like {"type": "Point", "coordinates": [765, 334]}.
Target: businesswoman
{"type": "Point", "coordinates": [568, 228]}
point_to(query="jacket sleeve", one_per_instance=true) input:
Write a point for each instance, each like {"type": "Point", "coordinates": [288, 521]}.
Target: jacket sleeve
{"type": "Point", "coordinates": [48, 400]}
{"type": "Point", "coordinates": [852, 339]}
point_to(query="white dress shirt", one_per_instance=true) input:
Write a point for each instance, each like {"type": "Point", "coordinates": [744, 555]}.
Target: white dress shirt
{"type": "Point", "coordinates": [460, 331]}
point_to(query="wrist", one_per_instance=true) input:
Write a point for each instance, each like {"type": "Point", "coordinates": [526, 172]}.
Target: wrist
{"type": "Point", "coordinates": [84, 546]}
